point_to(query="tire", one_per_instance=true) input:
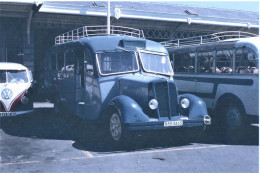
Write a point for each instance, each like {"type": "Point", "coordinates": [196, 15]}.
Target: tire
{"type": "Point", "coordinates": [233, 116]}
{"type": "Point", "coordinates": [115, 128]}
{"type": "Point", "coordinates": [233, 125]}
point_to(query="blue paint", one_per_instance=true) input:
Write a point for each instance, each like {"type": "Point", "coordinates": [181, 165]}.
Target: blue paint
{"type": "Point", "coordinates": [127, 93]}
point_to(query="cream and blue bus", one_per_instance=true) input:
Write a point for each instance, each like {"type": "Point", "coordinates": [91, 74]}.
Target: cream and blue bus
{"type": "Point", "coordinates": [222, 69]}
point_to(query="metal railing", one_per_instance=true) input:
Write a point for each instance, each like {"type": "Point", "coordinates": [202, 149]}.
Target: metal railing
{"type": "Point", "coordinates": [210, 38]}
{"type": "Point", "coordinates": [89, 31]}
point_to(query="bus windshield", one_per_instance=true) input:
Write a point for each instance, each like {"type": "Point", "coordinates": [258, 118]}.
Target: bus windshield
{"type": "Point", "coordinates": [117, 62]}
{"type": "Point", "coordinates": [13, 76]}
{"type": "Point", "coordinates": [156, 63]}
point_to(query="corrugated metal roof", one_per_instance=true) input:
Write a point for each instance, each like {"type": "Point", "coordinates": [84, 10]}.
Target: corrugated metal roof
{"type": "Point", "coordinates": [156, 11]}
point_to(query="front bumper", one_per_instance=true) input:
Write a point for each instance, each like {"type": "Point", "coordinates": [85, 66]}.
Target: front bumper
{"type": "Point", "coordinates": [156, 125]}
{"type": "Point", "coordinates": [15, 113]}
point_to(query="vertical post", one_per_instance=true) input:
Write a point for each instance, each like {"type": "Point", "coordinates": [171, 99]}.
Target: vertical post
{"type": "Point", "coordinates": [108, 17]}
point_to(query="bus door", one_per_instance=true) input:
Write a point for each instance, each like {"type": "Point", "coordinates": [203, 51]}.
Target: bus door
{"type": "Point", "coordinates": [67, 89]}
{"type": "Point", "coordinates": [79, 82]}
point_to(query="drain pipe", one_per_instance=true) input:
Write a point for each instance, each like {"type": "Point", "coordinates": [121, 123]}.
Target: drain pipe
{"type": "Point", "coordinates": [108, 17]}
{"type": "Point", "coordinates": [35, 8]}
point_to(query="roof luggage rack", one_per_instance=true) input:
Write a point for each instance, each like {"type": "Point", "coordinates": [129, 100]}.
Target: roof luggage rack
{"type": "Point", "coordinates": [209, 38]}
{"type": "Point", "coordinates": [88, 31]}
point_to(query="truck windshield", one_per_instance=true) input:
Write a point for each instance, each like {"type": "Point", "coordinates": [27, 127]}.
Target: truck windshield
{"type": "Point", "coordinates": [13, 76]}
{"type": "Point", "coordinates": [117, 62]}
{"type": "Point", "coordinates": [156, 63]}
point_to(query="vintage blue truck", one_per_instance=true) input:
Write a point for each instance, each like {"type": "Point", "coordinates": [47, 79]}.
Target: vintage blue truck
{"type": "Point", "coordinates": [121, 79]}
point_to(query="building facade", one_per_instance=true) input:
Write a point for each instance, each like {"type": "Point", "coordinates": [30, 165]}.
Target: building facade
{"type": "Point", "coordinates": [28, 29]}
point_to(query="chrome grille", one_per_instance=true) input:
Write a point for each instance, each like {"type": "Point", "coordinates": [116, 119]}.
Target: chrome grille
{"type": "Point", "coordinates": [161, 90]}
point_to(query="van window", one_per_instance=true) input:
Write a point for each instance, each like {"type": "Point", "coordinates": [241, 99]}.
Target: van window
{"type": "Point", "coordinates": [245, 61]}
{"type": "Point", "coordinates": [205, 62]}
{"type": "Point", "coordinates": [17, 76]}
{"type": "Point", "coordinates": [224, 61]}
{"type": "Point", "coordinates": [184, 62]}
{"type": "Point", "coordinates": [2, 76]}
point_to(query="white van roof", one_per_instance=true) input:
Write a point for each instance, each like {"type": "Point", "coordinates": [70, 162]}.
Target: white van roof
{"type": "Point", "coordinates": [11, 66]}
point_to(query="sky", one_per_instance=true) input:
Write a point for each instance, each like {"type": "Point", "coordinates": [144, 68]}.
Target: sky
{"type": "Point", "coordinates": [252, 6]}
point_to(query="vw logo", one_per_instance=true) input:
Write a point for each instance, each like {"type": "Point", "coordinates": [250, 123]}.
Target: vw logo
{"type": "Point", "coordinates": [6, 94]}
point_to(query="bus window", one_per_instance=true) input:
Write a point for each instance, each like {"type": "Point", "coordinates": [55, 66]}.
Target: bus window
{"type": "Point", "coordinates": [69, 65]}
{"type": "Point", "coordinates": [88, 62]}
{"type": "Point", "coordinates": [224, 61]}
{"type": "Point", "coordinates": [245, 61]}
{"type": "Point", "coordinates": [184, 62]}
{"type": "Point", "coordinates": [205, 62]}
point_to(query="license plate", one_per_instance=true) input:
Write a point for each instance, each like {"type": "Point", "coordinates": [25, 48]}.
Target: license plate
{"type": "Point", "coordinates": [6, 114]}
{"type": "Point", "coordinates": [173, 123]}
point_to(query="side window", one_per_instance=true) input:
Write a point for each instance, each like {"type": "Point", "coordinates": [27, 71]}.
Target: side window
{"type": "Point", "coordinates": [82, 60]}
{"type": "Point", "coordinates": [245, 61]}
{"type": "Point", "coordinates": [224, 61]}
{"type": "Point", "coordinates": [69, 64]}
{"type": "Point", "coordinates": [205, 62]}
{"type": "Point", "coordinates": [184, 63]}
{"type": "Point", "coordinates": [88, 62]}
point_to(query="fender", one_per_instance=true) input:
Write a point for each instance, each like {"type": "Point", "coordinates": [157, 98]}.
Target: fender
{"type": "Point", "coordinates": [129, 109]}
{"type": "Point", "coordinates": [197, 108]}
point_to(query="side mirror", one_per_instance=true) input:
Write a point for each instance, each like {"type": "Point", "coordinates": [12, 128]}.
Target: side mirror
{"type": "Point", "coordinates": [30, 76]}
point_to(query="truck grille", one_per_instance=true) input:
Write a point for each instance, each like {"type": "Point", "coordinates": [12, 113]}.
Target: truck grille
{"type": "Point", "coordinates": [161, 91]}
{"type": "Point", "coordinates": [167, 99]}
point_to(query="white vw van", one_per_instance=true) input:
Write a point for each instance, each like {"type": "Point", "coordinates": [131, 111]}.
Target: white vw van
{"type": "Point", "coordinates": [15, 89]}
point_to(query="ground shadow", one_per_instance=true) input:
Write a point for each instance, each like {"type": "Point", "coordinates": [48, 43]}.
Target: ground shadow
{"type": "Point", "coordinates": [44, 124]}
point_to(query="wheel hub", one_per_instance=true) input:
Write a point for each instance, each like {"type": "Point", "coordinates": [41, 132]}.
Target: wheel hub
{"type": "Point", "coordinates": [115, 127]}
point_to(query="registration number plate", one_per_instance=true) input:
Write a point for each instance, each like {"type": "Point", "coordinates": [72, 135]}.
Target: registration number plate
{"type": "Point", "coordinates": [7, 114]}
{"type": "Point", "coordinates": [173, 123]}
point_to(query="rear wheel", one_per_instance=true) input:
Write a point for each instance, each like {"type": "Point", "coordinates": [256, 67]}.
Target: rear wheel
{"type": "Point", "coordinates": [231, 123]}
{"type": "Point", "coordinates": [233, 117]}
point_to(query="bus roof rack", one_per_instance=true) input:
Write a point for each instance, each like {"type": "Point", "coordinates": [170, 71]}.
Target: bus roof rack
{"type": "Point", "coordinates": [209, 38]}
{"type": "Point", "coordinates": [101, 30]}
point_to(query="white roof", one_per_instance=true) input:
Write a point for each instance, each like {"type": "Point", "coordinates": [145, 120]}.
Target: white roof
{"type": "Point", "coordinates": [11, 66]}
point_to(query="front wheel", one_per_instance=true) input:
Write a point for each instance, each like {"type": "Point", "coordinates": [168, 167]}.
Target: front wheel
{"type": "Point", "coordinates": [115, 127]}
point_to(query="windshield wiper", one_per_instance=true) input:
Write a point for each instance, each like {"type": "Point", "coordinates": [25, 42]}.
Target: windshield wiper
{"type": "Point", "coordinates": [12, 77]}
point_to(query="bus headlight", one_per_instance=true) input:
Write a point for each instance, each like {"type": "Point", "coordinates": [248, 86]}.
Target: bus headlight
{"type": "Point", "coordinates": [153, 104]}
{"type": "Point", "coordinates": [185, 103]}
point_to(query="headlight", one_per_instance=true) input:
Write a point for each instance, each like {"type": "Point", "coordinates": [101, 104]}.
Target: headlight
{"type": "Point", "coordinates": [153, 104]}
{"type": "Point", "coordinates": [185, 103]}
{"type": "Point", "coordinates": [24, 100]}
